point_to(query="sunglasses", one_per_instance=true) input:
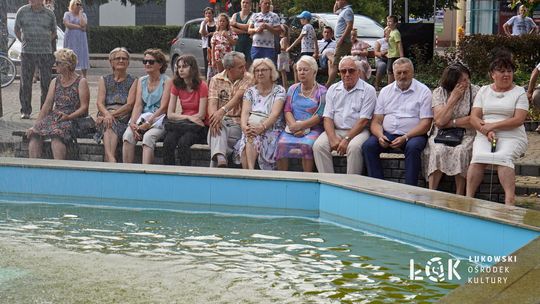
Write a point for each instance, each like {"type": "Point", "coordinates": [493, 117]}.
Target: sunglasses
{"type": "Point", "coordinates": [345, 71]}
{"type": "Point", "coordinates": [148, 61]}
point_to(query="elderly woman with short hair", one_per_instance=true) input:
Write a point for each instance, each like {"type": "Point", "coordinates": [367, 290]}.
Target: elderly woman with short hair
{"type": "Point", "coordinates": [151, 101]}
{"type": "Point", "coordinates": [303, 114]}
{"type": "Point", "coordinates": [115, 100]}
{"type": "Point", "coordinates": [262, 117]}
{"type": "Point", "coordinates": [76, 23]}
{"type": "Point", "coordinates": [66, 100]}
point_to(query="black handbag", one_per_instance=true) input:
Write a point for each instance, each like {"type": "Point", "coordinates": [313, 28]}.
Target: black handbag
{"type": "Point", "coordinates": [84, 127]}
{"type": "Point", "coordinates": [177, 125]}
{"type": "Point", "coordinates": [450, 136]}
{"type": "Point", "coordinates": [453, 136]}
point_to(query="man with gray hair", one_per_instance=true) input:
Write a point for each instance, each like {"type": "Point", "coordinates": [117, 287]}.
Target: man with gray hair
{"type": "Point", "coordinates": [401, 121]}
{"type": "Point", "coordinates": [225, 95]}
{"type": "Point", "coordinates": [35, 27]}
{"type": "Point", "coordinates": [349, 107]}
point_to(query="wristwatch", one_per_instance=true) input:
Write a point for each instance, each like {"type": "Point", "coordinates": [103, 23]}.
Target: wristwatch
{"type": "Point", "coordinates": [347, 138]}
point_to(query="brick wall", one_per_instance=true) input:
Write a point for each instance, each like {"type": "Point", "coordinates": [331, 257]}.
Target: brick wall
{"type": "Point", "coordinates": [393, 164]}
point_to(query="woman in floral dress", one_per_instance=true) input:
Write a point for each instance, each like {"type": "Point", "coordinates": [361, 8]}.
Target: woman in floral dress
{"type": "Point", "coordinates": [66, 100]}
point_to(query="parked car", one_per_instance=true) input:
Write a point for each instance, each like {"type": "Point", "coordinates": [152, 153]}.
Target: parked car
{"type": "Point", "coordinates": [14, 51]}
{"type": "Point", "coordinates": [369, 30]}
{"type": "Point", "coordinates": [188, 41]}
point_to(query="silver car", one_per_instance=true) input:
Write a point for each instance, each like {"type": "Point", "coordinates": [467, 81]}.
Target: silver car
{"type": "Point", "coordinates": [369, 30]}
{"type": "Point", "coordinates": [188, 41]}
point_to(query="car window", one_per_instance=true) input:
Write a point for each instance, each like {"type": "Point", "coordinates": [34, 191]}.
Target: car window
{"type": "Point", "coordinates": [11, 27]}
{"type": "Point", "coordinates": [192, 30]}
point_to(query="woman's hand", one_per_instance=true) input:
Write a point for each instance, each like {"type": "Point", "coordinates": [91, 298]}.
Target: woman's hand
{"type": "Point", "coordinates": [296, 127]}
{"type": "Point", "coordinates": [108, 120]}
{"type": "Point", "coordinates": [486, 128]}
{"type": "Point", "coordinates": [459, 91]}
{"type": "Point", "coordinates": [259, 129]}
{"type": "Point", "coordinates": [491, 136]}
{"type": "Point", "coordinates": [63, 117]}
{"type": "Point", "coordinates": [29, 132]}
{"type": "Point", "coordinates": [144, 126]}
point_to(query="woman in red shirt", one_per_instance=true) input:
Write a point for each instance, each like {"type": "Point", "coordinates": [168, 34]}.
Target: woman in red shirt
{"type": "Point", "coordinates": [185, 124]}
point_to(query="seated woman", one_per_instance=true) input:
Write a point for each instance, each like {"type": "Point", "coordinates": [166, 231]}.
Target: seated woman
{"type": "Point", "coordinates": [452, 103]}
{"type": "Point", "coordinates": [303, 114]}
{"type": "Point", "coordinates": [67, 99]}
{"type": "Point", "coordinates": [262, 117]}
{"type": "Point", "coordinates": [116, 96]}
{"type": "Point", "coordinates": [186, 113]}
{"type": "Point", "coordinates": [498, 113]}
{"type": "Point", "coordinates": [151, 102]}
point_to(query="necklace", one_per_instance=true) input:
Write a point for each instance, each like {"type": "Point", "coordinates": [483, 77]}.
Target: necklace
{"type": "Point", "coordinates": [309, 93]}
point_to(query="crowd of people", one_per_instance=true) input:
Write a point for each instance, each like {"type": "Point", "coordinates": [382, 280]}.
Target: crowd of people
{"type": "Point", "coordinates": [246, 117]}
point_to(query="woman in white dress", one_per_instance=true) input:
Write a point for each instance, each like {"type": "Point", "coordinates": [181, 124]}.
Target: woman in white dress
{"type": "Point", "coordinates": [498, 114]}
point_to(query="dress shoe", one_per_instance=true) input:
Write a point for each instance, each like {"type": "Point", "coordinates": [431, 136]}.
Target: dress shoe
{"type": "Point", "coordinates": [221, 161]}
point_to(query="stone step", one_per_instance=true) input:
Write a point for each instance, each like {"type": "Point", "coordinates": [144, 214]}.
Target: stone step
{"type": "Point", "coordinates": [531, 201]}
{"type": "Point", "coordinates": [527, 185]}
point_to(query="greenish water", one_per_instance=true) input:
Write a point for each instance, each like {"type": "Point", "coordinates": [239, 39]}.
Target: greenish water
{"type": "Point", "coordinates": [71, 254]}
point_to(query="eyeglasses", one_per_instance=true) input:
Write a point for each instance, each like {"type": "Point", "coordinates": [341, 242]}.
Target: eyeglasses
{"type": "Point", "coordinates": [257, 71]}
{"type": "Point", "coordinates": [148, 61]}
{"type": "Point", "coordinates": [121, 59]}
{"type": "Point", "coordinates": [345, 71]}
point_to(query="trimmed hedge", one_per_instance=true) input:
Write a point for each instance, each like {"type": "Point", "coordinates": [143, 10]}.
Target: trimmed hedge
{"type": "Point", "coordinates": [477, 51]}
{"type": "Point", "coordinates": [136, 39]}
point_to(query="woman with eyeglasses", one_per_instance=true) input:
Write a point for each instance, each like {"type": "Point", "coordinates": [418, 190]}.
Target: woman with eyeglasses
{"type": "Point", "coordinates": [115, 100]}
{"type": "Point", "coordinates": [262, 117]}
{"type": "Point", "coordinates": [67, 99]}
{"type": "Point", "coordinates": [75, 37]}
{"type": "Point", "coordinates": [451, 103]}
{"type": "Point", "coordinates": [151, 101]}
{"type": "Point", "coordinates": [185, 124]}
{"type": "Point", "coordinates": [303, 114]}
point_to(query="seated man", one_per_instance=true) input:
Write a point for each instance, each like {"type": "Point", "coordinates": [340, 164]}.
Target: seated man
{"type": "Point", "coordinates": [401, 120]}
{"type": "Point", "coordinates": [327, 46]}
{"type": "Point", "coordinates": [225, 96]}
{"type": "Point", "coordinates": [349, 106]}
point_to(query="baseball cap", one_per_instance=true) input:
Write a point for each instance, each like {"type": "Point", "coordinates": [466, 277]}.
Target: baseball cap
{"type": "Point", "coordinates": [304, 15]}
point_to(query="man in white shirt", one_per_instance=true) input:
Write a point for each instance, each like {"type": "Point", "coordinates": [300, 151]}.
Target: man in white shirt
{"type": "Point", "coordinates": [349, 107]}
{"type": "Point", "coordinates": [327, 47]}
{"type": "Point", "coordinates": [401, 120]}
{"type": "Point", "coordinates": [264, 26]}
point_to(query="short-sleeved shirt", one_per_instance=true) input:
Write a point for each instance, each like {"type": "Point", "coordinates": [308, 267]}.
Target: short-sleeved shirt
{"type": "Point", "coordinates": [326, 45]}
{"type": "Point", "coordinates": [521, 26]}
{"type": "Point", "coordinates": [222, 89]}
{"type": "Point", "coordinates": [403, 110]}
{"type": "Point", "coordinates": [346, 15]}
{"type": "Point", "coordinates": [189, 101]}
{"type": "Point", "coordinates": [36, 27]}
{"type": "Point", "coordinates": [345, 108]}
{"type": "Point", "coordinates": [359, 46]}
{"type": "Point", "coordinates": [266, 38]}
{"type": "Point", "coordinates": [308, 41]}
{"type": "Point", "coordinates": [393, 39]}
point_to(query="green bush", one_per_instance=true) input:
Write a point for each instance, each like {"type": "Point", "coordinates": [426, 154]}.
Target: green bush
{"type": "Point", "coordinates": [136, 39]}
{"type": "Point", "coordinates": [477, 52]}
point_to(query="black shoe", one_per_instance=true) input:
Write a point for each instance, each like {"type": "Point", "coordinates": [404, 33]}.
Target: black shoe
{"type": "Point", "coordinates": [25, 116]}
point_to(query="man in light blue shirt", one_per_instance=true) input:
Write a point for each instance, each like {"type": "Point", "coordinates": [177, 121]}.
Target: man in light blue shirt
{"type": "Point", "coordinates": [344, 27]}
{"type": "Point", "coordinates": [520, 24]}
{"type": "Point", "coordinates": [401, 120]}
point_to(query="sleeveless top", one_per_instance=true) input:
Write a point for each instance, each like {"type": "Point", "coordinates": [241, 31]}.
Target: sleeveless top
{"type": "Point", "coordinates": [243, 38]}
{"type": "Point", "coordinates": [152, 100]}
{"type": "Point", "coordinates": [210, 29]}
{"type": "Point", "coordinates": [116, 93]}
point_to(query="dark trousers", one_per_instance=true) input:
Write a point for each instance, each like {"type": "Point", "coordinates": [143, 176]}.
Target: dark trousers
{"type": "Point", "coordinates": [29, 62]}
{"type": "Point", "coordinates": [182, 136]}
{"type": "Point", "coordinates": [412, 150]}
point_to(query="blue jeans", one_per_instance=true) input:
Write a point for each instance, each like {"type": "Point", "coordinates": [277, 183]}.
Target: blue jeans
{"type": "Point", "coordinates": [412, 150]}
{"type": "Point", "coordinates": [260, 52]}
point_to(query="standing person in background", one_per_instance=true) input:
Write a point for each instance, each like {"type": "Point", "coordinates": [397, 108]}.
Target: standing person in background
{"type": "Point", "coordinates": [264, 26]}
{"type": "Point", "coordinates": [35, 27]}
{"type": "Point", "coordinates": [520, 24]}
{"type": "Point", "coordinates": [222, 42]}
{"type": "Point", "coordinates": [239, 24]}
{"type": "Point", "coordinates": [381, 59]}
{"type": "Point", "coordinates": [395, 47]}
{"type": "Point", "coordinates": [307, 38]}
{"type": "Point", "coordinates": [75, 38]}
{"type": "Point", "coordinates": [343, 35]}
{"type": "Point", "coordinates": [208, 27]}
{"type": "Point", "coordinates": [284, 58]}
